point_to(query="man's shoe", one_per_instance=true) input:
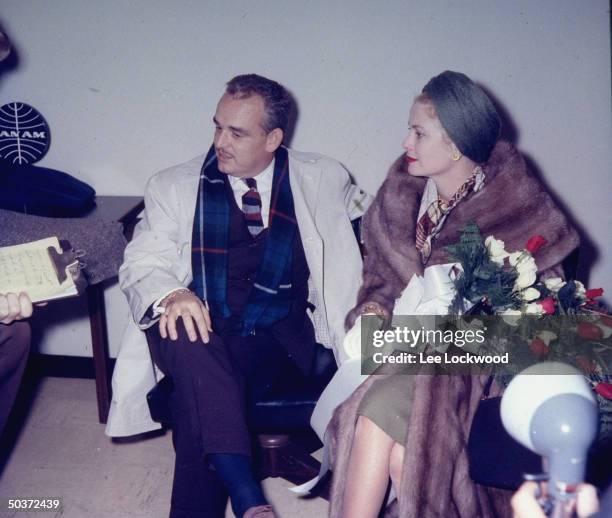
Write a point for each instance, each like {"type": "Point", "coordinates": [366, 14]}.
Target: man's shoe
{"type": "Point", "coordinates": [260, 511]}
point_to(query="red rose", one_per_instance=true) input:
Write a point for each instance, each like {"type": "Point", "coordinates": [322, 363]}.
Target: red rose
{"type": "Point", "coordinates": [548, 305]}
{"type": "Point", "coordinates": [587, 364]}
{"type": "Point", "coordinates": [604, 390]}
{"type": "Point", "coordinates": [539, 347]}
{"type": "Point", "coordinates": [593, 293]}
{"type": "Point", "coordinates": [535, 243]}
{"type": "Point", "coordinates": [589, 331]}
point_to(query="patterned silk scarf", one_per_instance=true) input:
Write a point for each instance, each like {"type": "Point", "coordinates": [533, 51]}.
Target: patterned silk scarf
{"type": "Point", "coordinates": [430, 223]}
{"type": "Point", "coordinates": [270, 297]}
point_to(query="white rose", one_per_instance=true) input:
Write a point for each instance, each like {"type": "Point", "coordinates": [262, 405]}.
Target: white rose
{"type": "Point", "coordinates": [534, 309]}
{"type": "Point", "coordinates": [497, 253]}
{"type": "Point", "coordinates": [527, 264]}
{"type": "Point", "coordinates": [514, 257]}
{"type": "Point", "coordinates": [580, 289]}
{"type": "Point", "coordinates": [524, 280]}
{"type": "Point", "coordinates": [526, 267]}
{"type": "Point", "coordinates": [554, 284]}
{"type": "Point", "coordinates": [530, 294]}
{"type": "Point", "coordinates": [521, 259]}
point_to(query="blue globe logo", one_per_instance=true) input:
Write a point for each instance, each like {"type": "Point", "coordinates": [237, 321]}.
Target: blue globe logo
{"type": "Point", "coordinates": [24, 134]}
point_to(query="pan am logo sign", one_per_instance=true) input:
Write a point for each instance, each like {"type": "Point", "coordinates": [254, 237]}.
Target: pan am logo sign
{"type": "Point", "coordinates": [24, 134]}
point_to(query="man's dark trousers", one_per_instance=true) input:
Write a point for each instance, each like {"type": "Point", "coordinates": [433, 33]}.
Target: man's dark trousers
{"type": "Point", "coordinates": [209, 408]}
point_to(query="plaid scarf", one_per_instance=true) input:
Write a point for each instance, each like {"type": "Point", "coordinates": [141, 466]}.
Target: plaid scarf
{"type": "Point", "coordinates": [430, 223]}
{"type": "Point", "coordinates": [270, 297]}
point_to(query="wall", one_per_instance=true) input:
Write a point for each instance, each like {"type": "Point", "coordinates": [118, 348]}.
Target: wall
{"type": "Point", "coordinates": [129, 87]}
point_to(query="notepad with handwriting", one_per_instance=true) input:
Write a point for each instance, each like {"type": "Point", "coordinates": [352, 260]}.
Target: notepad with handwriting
{"type": "Point", "coordinates": [30, 267]}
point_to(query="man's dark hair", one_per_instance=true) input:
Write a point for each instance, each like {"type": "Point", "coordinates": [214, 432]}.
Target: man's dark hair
{"type": "Point", "coordinates": [277, 101]}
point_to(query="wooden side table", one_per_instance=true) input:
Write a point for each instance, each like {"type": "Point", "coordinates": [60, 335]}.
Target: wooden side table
{"type": "Point", "coordinates": [124, 209]}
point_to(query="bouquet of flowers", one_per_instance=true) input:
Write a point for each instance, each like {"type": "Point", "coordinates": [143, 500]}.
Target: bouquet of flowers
{"type": "Point", "coordinates": [550, 319]}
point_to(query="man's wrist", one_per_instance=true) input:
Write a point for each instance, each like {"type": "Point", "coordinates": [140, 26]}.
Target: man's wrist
{"type": "Point", "coordinates": [171, 296]}
{"type": "Point", "coordinates": [157, 308]}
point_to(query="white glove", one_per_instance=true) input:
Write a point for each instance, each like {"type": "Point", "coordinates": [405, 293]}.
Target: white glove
{"type": "Point", "coordinates": [352, 340]}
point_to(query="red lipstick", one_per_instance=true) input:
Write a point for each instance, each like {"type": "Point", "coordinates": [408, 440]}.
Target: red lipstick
{"type": "Point", "coordinates": [410, 159]}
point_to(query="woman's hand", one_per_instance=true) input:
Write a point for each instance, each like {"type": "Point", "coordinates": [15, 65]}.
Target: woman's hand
{"type": "Point", "coordinates": [14, 307]}
{"type": "Point", "coordinates": [191, 309]}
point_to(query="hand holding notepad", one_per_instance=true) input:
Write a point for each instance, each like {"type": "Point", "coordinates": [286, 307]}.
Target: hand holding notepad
{"type": "Point", "coordinates": [15, 307]}
{"type": "Point", "coordinates": [41, 269]}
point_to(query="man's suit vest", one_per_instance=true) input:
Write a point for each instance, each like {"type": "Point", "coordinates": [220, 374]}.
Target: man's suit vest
{"type": "Point", "coordinates": [245, 254]}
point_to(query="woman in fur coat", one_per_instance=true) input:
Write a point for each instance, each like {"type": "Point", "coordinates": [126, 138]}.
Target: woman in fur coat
{"type": "Point", "coordinates": [413, 429]}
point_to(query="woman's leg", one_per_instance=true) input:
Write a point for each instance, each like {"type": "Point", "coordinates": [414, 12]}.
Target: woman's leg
{"type": "Point", "coordinates": [368, 471]}
{"type": "Point", "coordinates": [396, 463]}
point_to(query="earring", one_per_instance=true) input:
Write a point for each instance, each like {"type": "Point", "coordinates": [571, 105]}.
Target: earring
{"type": "Point", "coordinates": [456, 154]}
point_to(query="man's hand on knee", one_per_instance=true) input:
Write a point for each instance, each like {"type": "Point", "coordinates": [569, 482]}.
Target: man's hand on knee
{"type": "Point", "coordinates": [14, 307]}
{"type": "Point", "coordinates": [188, 306]}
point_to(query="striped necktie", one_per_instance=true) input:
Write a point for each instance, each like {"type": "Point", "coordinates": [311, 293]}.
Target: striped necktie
{"type": "Point", "coordinates": [251, 206]}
